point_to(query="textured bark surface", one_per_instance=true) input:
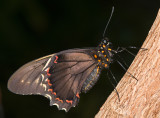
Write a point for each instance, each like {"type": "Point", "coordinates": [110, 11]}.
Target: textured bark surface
{"type": "Point", "coordinates": [139, 99]}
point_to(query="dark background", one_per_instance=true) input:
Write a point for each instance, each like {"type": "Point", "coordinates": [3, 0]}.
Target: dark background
{"type": "Point", "coordinates": [30, 29]}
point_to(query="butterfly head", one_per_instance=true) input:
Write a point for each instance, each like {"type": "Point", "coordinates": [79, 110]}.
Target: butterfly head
{"type": "Point", "coordinates": [105, 43]}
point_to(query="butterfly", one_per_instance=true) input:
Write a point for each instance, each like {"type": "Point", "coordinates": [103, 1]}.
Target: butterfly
{"type": "Point", "coordinates": [63, 76]}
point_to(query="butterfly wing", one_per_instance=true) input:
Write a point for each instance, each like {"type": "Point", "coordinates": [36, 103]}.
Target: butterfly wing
{"type": "Point", "coordinates": [61, 77]}
{"type": "Point", "coordinates": [27, 79]}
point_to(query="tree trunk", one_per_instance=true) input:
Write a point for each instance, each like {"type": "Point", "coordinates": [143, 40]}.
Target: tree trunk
{"type": "Point", "coordinates": [139, 99]}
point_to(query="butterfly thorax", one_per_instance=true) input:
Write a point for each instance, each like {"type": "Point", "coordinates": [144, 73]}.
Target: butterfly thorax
{"type": "Point", "coordinates": [103, 53]}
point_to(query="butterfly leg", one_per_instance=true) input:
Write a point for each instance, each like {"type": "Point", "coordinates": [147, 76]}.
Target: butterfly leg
{"type": "Point", "coordinates": [113, 76]}
{"type": "Point", "coordinates": [121, 49]}
{"type": "Point", "coordinates": [133, 47]}
{"type": "Point", "coordinates": [113, 84]}
{"type": "Point", "coordinates": [126, 70]}
{"type": "Point", "coordinates": [122, 60]}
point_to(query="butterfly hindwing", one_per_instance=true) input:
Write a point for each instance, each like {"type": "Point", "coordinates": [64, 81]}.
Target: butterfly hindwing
{"type": "Point", "coordinates": [67, 75]}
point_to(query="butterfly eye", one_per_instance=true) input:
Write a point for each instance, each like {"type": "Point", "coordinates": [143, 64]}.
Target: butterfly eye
{"type": "Point", "coordinates": [104, 41]}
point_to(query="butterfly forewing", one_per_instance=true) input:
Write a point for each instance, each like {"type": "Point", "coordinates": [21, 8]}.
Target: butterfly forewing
{"type": "Point", "coordinates": [28, 79]}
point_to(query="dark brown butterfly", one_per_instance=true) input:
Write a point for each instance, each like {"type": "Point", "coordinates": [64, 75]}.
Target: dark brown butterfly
{"type": "Point", "coordinates": [62, 76]}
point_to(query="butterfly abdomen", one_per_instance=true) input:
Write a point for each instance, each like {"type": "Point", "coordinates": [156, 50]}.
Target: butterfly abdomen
{"type": "Point", "coordinates": [91, 80]}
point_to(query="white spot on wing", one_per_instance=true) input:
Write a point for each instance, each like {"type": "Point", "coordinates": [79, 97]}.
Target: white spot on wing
{"type": "Point", "coordinates": [48, 96]}
{"type": "Point", "coordinates": [22, 80]}
{"type": "Point", "coordinates": [44, 86]}
{"type": "Point", "coordinates": [56, 105]}
{"type": "Point", "coordinates": [28, 82]}
{"type": "Point", "coordinates": [46, 64]}
{"type": "Point", "coordinates": [46, 79]}
{"type": "Point", "coordinates": [37, 80]}
{"type": "Point", "coordinates": [64, 109]}
{"type": "Point", "coordinates": [42, 77]}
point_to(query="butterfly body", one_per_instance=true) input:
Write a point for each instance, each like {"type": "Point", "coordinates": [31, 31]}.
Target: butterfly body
{"type": "Point", "coordinates": [104, 54]}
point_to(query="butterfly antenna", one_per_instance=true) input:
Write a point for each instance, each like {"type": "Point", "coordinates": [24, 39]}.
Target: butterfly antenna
{"type": "Point", "coordinates": [108, 22]}
{"type": "Point", "coordinates": [126, 70]}
{"type": "Point", "coordinates": [113, 84]}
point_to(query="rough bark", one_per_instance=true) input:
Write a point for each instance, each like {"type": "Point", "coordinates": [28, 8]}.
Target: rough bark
{"type": "Point", "coordinates": [139, 99]}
